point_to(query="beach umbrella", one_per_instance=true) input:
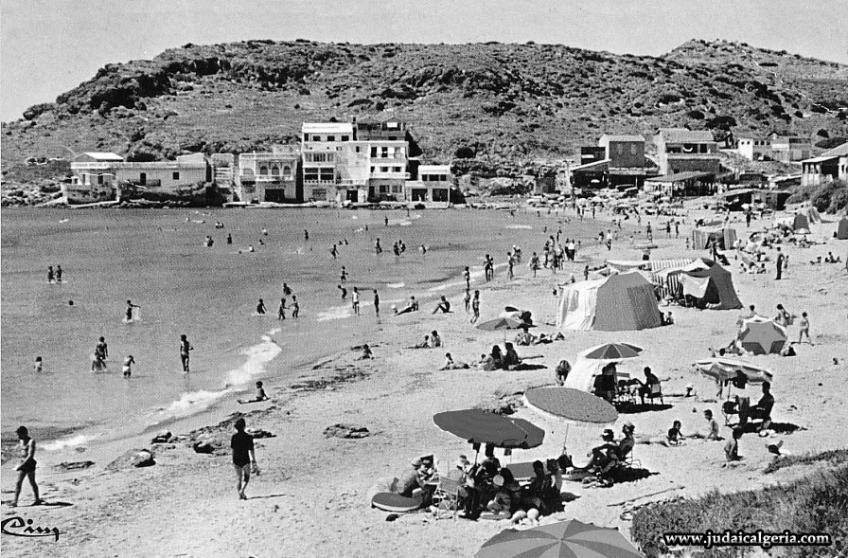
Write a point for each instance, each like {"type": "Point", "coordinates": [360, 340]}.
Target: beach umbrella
{"type": "Point", "coordinates": [762, 336]}
{"type": "Point", "coordinates": [613, 351]}
{"type": "Point", "coordinates": [500, 323]}
{"type": "Point", "coordinates": [723, 369]}
{"type": "Point", "coordinates": [483, 427]}
{"type": "Point", "coordinates": [566, 539]}
{"type": "Point", "coordinates": [572, 404]}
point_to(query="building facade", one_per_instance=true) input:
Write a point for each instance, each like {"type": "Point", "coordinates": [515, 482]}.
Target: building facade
{"type": "Point", "coordinates": [270, 176]}
{"type": "Point", "coordinates": [680, 150]}
{"type": "Point", "coordinates": [433, 185]}
{"type": "Point", "coordinates": [790, 148]}
{"type": "Point", "coordinates": [753, 148]}
{"type": "Point", "coordinates": [626, 155]}
{"type": "Point", "coordinates": [827, 167]}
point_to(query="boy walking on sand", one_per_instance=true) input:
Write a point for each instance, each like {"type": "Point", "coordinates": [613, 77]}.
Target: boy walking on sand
{"type": "Point", "coordinates": [244, 458]}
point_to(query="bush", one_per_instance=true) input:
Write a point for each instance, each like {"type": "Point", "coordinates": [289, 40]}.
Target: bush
{"type": "Point", "coordinates": [817, 504]}
{"type": "Point", "coordinates": [464, 152]}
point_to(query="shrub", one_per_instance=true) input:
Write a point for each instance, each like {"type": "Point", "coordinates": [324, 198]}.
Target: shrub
{"type": "Point", "coordinates": [464, 152]}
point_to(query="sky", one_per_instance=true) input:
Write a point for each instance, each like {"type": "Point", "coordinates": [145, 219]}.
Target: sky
{"type": "Point", "coordinates": [50, 46]}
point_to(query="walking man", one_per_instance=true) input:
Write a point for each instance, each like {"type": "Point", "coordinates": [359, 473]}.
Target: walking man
{"type": "Point", "coordinates": [377, 304]}
{"type": "Point", "coordinates": [26, 469]}
{"type": "Point", "coordinates": [244, 458]}
{"type": "Point", "coordinates": [780, 259]}
{"type": "Point", "coordinates": [295, 307]}
{"type": "Point", "coordinates": [475, 307]}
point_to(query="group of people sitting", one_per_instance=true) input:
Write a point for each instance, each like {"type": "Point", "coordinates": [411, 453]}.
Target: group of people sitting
{"type": "Point", "coordinates": [431, 341]}
{"type": "Point", "coordinates": [608, 387]}
{"type": "Point", "coordinates": [507, 359]}
{"type": "Point", "coordinates": [830, 258]}
{"type": "Point", "coordinates": [488, 486]}
{"type": "Point", "coordinates": [525, 338]}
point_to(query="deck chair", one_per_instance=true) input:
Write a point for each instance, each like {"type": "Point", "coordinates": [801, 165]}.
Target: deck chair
{"type": "Point", "coordinates": [446, 497]}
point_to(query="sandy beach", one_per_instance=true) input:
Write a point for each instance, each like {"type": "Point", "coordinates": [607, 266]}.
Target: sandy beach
{"type": "Point", "coordinates": [311, 498]}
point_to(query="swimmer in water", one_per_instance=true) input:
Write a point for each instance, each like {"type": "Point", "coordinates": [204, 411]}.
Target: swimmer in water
{"type": "Point", "coordinates": [343, 290]}
{"type": "Point", "coordinates": [260, 307]}
{"type": "Point", "coordinates": [281, 311]}
{"type": "Point", "coordinates": [129, 310]}
{"type": "Point", "coordinates": [185, 347]}
{"type": "Point", "coordinates": [286, 290]}
{"type": "Point", "coordinates": [305, 234]}
{"type": "Point", "coordinates": [101, 353]}
{"type": "Point", "coordinates": [50, 274]}
{"type": "Point", "coordinates": [58, 273]}
{"type": "Point", "coordinates": [229, 238]}
{"type": "Point", "coordinates": [39, 364]}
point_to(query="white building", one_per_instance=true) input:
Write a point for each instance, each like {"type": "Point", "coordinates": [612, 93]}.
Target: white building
{"type": "Point", "coordinates": [269, 176]}
{"type": "Point", "coordinates": [433, 184]}
{"type": "Point", "coordinates": [94, 177]}
{"type": "Point", "coordinates": [753, 148]}
{"type": "Point", "coordinates": [319, 145]}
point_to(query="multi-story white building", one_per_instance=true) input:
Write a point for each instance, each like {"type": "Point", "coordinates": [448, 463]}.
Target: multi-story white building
{"type": "Point", "coordinates": [680, 150]}
{"type": "Point", "coordinates": [753, 148]}
{"type": "Point", "coordinates": [94, 177]}
{"type": "Point", "coordinates": [338, 167]}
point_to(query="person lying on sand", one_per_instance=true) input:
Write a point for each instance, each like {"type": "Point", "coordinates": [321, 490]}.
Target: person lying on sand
{"type": "Point", "coordinates": [425, 344]}
{"type": "Point", "coordinates": [450, 364]}
{"type": "Point", "coordinates": [412, 306]}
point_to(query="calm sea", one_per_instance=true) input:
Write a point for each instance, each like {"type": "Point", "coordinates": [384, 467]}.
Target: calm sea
{"type": "Point", "coordinates": [157, 259]}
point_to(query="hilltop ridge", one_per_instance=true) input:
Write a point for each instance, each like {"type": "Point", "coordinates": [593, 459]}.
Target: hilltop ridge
{"type": "Point", "coordinates": [492, 101]}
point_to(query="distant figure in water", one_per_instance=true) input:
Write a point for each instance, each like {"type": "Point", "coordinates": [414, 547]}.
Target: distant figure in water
{"type": "Point", "coordinates": [281, 311]}
{"type": "Point", "coordinates": [377, 248]}
{"type": "Point", "coordinates": [377, 304]}
{"type": "Point", "coordinates": [343, 290]}
{"type": "Point", "coordinates": [70, 303]}
{"type": "Point", "coordinates": [50, 275]}
{"type": "Point", "coordinates": [305, 234]}
{"type": "Point", "coordinates": [101, 353]}
{"type": "Point", "coordinates": [39, 364]}
{"type": "Point", "coordinates": [229, 238]}
{"type": "Point", "coordinates": [386, 221]}
{"type": "Point", "coordinates": [58, 273]}
{"type": "Point", "coordinates": [127, 368]}
{"type": "Point", "coordinates": [129, 310]}
{"type": "Point", "coordinates": [286, 290]}
{"type": "Point", "coordinates": [343, 275]}
{"type": "Point", "coordinates": [423, 250]}
{"type": "Point", "coordinates": [264, 231]}
{"type": "Point", "coordinates": [354, 299]}
{"type": "Point", "coordinates": [334, 252]}
{"type": "Point", "coordinates": [295, 307]}
{"type": "Point", "coordinates": [185, 347]}
{"type": "Point", "coordinates": [260, 307]}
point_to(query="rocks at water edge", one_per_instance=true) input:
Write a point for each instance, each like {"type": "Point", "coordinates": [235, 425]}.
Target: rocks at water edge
{"type": "Point", "coordinates": [346, 431]}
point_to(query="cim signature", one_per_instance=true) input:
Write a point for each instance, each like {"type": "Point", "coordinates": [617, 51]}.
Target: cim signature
{"type": "Point", "coordinates": [20, 527]}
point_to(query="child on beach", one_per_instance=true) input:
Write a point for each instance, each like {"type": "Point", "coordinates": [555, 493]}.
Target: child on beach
{"type": "Point", "coordinates": [26, 469]}
{"type": "Point", "coordinates": [281, 311]}
{"type": "Point", "coordinates": [244, 458]}
{"type": "Point", "coordinates": [467, 300]}
{"type": "Point", "coordinates": [127, 367]}
{"type": "Point", "coordinates": [343, 291]}
{"type": "Point", "coordinates": [260, 307]}
{"type": "Point", "coordinates": [804, 324]}
{"type": "Point", "coordinates": [295, 307]}
{"type": "Point", "coordinates": [377, 304]}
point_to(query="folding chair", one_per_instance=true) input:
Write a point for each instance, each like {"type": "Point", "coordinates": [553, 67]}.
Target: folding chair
{"type": "Point", "coordinates": [656, 391]}
{"type": "Point", "coordinates": [446, 497]}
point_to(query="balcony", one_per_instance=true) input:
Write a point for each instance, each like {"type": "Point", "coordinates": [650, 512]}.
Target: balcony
{"type": "Point", "coordinates": [394, 175]}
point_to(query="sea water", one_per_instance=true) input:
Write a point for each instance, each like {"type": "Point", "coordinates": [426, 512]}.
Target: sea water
{"type": "Point", "coordinates": [158, 259]}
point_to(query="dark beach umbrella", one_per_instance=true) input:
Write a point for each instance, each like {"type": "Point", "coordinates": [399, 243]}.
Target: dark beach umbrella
{"type": "Point", "coordinates": [762, 337]}
{"type": "Point", "coordinates": [500, 323]}
{"type": "Point", "coordinates": [566, 539]}
{"type": "Point", "coordinates": [482, 427]}
{"type": "Point", "coordinates": [614, 351]}
{"type": "Point", "coordinates": [572, 404]}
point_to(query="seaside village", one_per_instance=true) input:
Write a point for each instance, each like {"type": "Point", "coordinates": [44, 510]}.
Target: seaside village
{"type": "Point", "coordinates": [359, 163]}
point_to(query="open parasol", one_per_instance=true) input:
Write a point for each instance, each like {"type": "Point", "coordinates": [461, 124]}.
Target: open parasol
{"type": "Point", "coordinates": [483, 427]}
{"type": "Point", "coordinates": [566, 539]}
{"type": "Point", "coordinates": [613, 351]}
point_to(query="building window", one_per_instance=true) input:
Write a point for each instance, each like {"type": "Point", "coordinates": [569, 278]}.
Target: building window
{"type": "Point", "coordinates": [100, 179]}
{"type": "Point", "coordinates": [619, 148]}
{"type": "Point", "coordinates": [175, 175]}
{"type": "Point", "coordinates": [384, 152]}
{"type": "Point", "coordinates": [263, 170]}
{"type": "Point", "coordinates": [395, 169]}
{"type": "Point", "coordinates": [142, 178]}
{"type": "Point", "coordinates": [384, 169]}
{"type": "Point", "coordinates": [275, 170]}
{"type": "Point", "coordinates": [358, 149]}
{"type": "Point", "coordinates": [633, 149]}
{"type": "Point", "coordinates": [316, 138]}
{"type": "Point", "coordinates": [374, 152]}
{"type": "Point", "coordinates": [327, 175]}
{"type": "Point", "coordinates": [331, 138]}
{"type": "Point", "coordinates": [287, 171]}
{"type": "Point", "coordinates": [384, 189]}
{"type": "Point", "coordinates": [319, 193]}
{"type": "Point", "coordinates": [397, 189]}
{"type": "Point", "coordinates": [345, 138]}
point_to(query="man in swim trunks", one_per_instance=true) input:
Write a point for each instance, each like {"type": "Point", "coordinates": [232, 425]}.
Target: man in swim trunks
{"type": "Point", "coordinates": [185, 347]}
{"type": "Point", "coordinates": [244, 459]}
{"type": "Point", "coordinates": [281, 311]}
{"type": "Point", "coordinates": [58, 273]}
{"type": "Point", "coordinates": [354, 298]}
{"type": "Point", "coordinates": [101, 353]}
{"type": "Point", "coordinates": [295, 307]}
{"type": "Point", "coordinates": [376, 303]}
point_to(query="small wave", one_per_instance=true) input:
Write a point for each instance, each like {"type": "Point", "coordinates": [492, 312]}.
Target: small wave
{"type": "Point", "coordinates": [69, 442]}
{"type": "Point", "coordinates": [275, 331]}
{"type": "Point", "coordinates": [395, 285]}
{"type": "Point", "coordinates": [257, 357]}
{"type": "Point", "coordinates": [335, 313]}
{"type": "Point", "coordinates": [192, 402]}
{"type": "Point", "coordinates": [523, 227]}
{"type": "Point", "coordinates": [405, 223]}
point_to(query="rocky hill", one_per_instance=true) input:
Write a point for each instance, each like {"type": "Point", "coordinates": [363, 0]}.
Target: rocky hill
{"type": "Point", "coordinates": [492, 104]}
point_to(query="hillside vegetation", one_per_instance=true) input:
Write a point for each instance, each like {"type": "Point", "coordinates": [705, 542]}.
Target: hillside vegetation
{"type": "Point", "coordinates": [496, 103]}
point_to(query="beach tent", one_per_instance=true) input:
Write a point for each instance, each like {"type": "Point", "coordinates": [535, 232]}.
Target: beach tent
{"type": "Point", "coordinates": [800, 222]}
{"type": "Point", "coordinates": [585, 370]}
{"type": "Point", "coordinates": [620, 302]}
{"type": "Point", "coordinates": [842, 229]}
{"type": "Point", "coordinates": [761, 336]}
{"type": "Point", "coordinates": [701, 238]}
{"type": "Point", "coordinates": [713, 285]}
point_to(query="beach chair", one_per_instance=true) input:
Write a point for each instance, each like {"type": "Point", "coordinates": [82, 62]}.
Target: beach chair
{"type": "Point", "coordinates": [446, 497]}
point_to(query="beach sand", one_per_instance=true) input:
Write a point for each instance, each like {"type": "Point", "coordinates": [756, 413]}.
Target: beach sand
{"type": "Point", "coordinates": [311, 498]}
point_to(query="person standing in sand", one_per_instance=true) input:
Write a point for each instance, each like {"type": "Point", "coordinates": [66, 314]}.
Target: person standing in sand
{"type": "Point", "coordinates": [354, 299]}
{"type": "Point", "coordinates": [26, 469]}
{"type": "Point", "coordinates": [58, 273]}
{"type": "Point", "coordinates": [260, 307]}
{"type": "Point", "coordinates": [101, 353]}
{"type": "Point", "coordinates": [50, 274]}
{"type": "Point", "coordinates": [343, 291]}
{"type": "Point", "coordinates": [467, 300]}
{"type": "Point", "coordinates": [377, 304]}
{"type": "Point", "coordinates": [185, 347]}
{"type": "Point", "coordinates": [466, 274]}
{"type": "Point", "coordinates": [804, 324]}
{"type": "Point", "coordinates": [779, 262]}
{"type": "Point", "coordinates": [244, 457]}
{"type": "Point", "coordinates": [281, 311]}
{"type": "Point", "coordinates": [475, 307]}
{"type": "Point", "coordinates": [127, 367]}
{"type": "Point", "coordinates": [129, 310]}
{"type": "Point", "coordinates": [295, 307]}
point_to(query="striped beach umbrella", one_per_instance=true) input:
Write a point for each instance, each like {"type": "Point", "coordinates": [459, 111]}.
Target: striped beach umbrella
{"type": "Point", "coordinates": [613, 351]}
{"type": "Point", "coordinates": [566, 539]}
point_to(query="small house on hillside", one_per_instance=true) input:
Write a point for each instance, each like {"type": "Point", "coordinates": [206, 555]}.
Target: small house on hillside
{"type": "Point", "coordinates": [827, 167]}
{"type": "Point", "coordinates": [790, 148]}
{"type": "Point", "coordinates": [94, 177]}
{"type": "Point", "coordinates": [626, 154]}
